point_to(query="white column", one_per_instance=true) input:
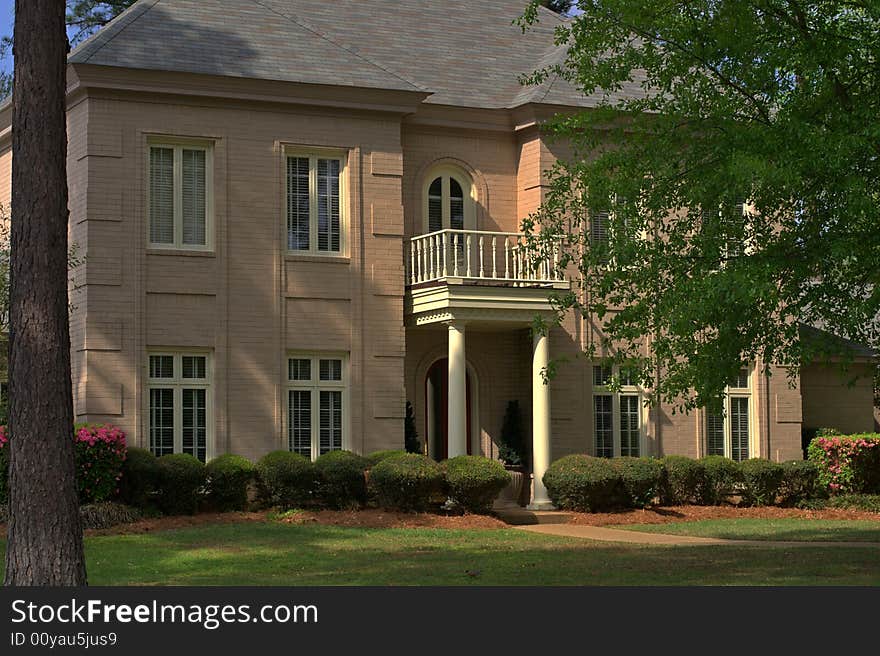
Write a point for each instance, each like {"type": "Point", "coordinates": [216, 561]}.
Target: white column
{"type": "Point", "coordinates": [540, 421]}
{"type": "Point", "coordinates": [457, 418]}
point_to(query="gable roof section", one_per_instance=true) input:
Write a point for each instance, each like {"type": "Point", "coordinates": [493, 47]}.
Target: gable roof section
{"type": "Point", "coordinates": [826, 340]}
{"type": "Point", "coordinates": [466, 53]}
{"type": "Point", "coordinates": [240, 38]}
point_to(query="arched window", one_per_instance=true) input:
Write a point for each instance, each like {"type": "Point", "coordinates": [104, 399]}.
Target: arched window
{"type": "Point", "coordinates": [448, 201]}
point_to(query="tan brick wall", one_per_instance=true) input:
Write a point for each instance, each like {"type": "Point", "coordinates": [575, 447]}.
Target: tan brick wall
{"type": "Point", "coordinates": [830, 402]}
{"type": "Point", "coordinates": [246, 302]}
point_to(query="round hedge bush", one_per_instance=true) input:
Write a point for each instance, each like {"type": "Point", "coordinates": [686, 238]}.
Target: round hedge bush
{"type": "Point", "coordinates": [378, 456]}
{"type": "Point", "coordinates": [721, 478]}
{"type": "Point", "coordinates": [341, 480]}
{"type": "Point", "coordinates": [683, 481]}
{"type": "Point", "coordinates": [141, 478]}
{"type": "Point", "coordinates": [474, 481]}
{"type": "Point", "coordinates": [228, 479]}
{"type": "Point", "coordinates": [800, 482]}
{"type": "Point", "coordinates": [761, 481]}
{"type": "Point", "coordinates": [182, 478]}
{"type": "Point", "coordinates": [287, 479]}
{"type": "Point", "coordinates": [585, 483]}
{"type": "Point", "coordinates": [641, 480]}
{"type": "Point", "coordinates": [407, 482]}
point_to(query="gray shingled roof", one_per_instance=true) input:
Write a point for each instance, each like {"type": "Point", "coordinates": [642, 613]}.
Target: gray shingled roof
{"type": "Point", "coordinates": [464, 52]}
{"type": "Point", "coordinates": [834, 343]}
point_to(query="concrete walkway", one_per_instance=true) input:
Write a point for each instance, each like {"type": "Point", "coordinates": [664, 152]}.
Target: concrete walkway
{"type": "Point", "coordinates": [605, 534]}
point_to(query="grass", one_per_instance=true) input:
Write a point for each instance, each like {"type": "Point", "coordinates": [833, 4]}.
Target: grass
{"type": "Point", "coordinates": [289, 554]}
{"type": "Point", "coordinates": [800, 530]}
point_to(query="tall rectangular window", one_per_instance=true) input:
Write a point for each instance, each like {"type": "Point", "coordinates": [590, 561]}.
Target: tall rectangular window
{"type": "Point", "coordinates": [617, 417]}
{"type": "Point", "coordinates": [315, 217]}
{"type": "Point", "coordinates": [728, 433]}
{"type": "Point", "coordinates": [179, 404]}
{"type": "Point", "coordinates": [316, 405]}
{"type": "Point", "coordinates": [179, 196]}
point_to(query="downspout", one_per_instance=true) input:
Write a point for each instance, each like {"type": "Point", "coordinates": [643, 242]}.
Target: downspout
{"type": "Point", "coordinates": [767, 412]}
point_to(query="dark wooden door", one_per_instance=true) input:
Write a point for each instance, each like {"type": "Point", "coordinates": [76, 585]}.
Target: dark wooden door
{"type": "Point", "coordinates": [438, 374]}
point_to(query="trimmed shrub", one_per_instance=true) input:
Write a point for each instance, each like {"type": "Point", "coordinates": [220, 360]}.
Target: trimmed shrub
{"type": "Point", "coordinates": [761, 481]}
{"type": "Point", "coordinates": [721, 478]}
{"type": "Point", "coordinates": [100, 452]}
{"type": "Point", "coordinates": [228, 479]}
{"type": "Point", "coordinates": [799, 481]}
{"type": "Point", "coordinates": [341, 480]}
{"type": "Point", "coordinates": [847, 463]}
{"type": "Point", "coordinates": [641, 480]}
{"type": "Point", "coordinates": [868, 502]}
{"type": "Point", "coordinates": [141, 478]}
{"type": "Point", "coordinates": [683, 481]}
{"type": "Point", "coordinates": [407, 482]}
{"type": "Point", "coordinates": [4, 467]}
{"type": "Point", "coordinates": [579, 482]}
{"type": "Point", "coordinates": [378, 456]}
{"type": "Point", "coordinates": [182, 480]}
{"type": "Point", "coordinates": [105, 514]}
{"type": "Point", "coordinates": [286, 479]}
{"type": "Point", "coordinates": [474, 481]}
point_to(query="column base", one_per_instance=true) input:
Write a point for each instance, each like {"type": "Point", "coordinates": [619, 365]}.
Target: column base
{"type": "Point", "coordinates": [541, 505]}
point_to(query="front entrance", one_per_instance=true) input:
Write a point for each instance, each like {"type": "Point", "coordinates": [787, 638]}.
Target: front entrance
{"type": "Point", "coordinates": [436, 404]}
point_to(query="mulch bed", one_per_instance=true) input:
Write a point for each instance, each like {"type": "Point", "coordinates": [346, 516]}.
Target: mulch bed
{"type": "Point", "coordinates": [374, 518]}
{"type": "Point", "coordinates": [671, 514]}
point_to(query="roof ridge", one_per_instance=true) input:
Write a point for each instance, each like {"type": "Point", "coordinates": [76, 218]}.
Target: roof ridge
{"type": "Point", "coordinates": [104, 36]}
{"type": "Point", "coordinates": [306, 26]}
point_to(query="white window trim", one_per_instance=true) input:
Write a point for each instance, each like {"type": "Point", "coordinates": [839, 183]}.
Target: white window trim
{"type": "Point", "coordinates": [178, 383]}
{"type": "Point", "coordinates": [178, 145]}
{"type": "Point", "coordinates": [445, 172]}
{"type": "Point", "coordinates": [314, 154]}
{"type": "Point", "coordinates": [315, 386]}
{"type": "Point", "coordinates": [740, 393]}
{"type": "Point", "coordinates": [624, 390]}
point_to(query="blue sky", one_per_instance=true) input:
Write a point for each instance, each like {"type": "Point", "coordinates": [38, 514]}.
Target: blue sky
{"type": "Point", "coordinates": [6, 7]}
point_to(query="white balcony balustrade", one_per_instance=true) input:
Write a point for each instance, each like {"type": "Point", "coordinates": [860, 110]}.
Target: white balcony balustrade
{"type": "Point", "coordinates": [472, 255]}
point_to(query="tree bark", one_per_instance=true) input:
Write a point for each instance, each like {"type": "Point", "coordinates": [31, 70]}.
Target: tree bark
{"type": "Point", "coordinates": [45, 544]}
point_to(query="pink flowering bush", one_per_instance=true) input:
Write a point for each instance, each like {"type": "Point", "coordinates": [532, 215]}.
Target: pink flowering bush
{"type": "Point", "coordinates": [847, 463]}
{"type": "Point", "coordinates": [100, 452]}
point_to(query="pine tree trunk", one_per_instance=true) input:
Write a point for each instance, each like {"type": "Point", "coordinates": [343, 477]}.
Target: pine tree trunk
{"type": "Point", "coordinates": [45, 532]}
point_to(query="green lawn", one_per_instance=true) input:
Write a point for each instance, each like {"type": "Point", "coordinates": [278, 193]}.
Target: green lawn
{"type": "Point", "coordinates": [288, 554]}
{"type": "Point", "coordinates": [809, 530]}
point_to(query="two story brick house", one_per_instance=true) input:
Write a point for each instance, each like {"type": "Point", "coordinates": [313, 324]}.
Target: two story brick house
{"type": "Point", "coordinates": [297, 217]}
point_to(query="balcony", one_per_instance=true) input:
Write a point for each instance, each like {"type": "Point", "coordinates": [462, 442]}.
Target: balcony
{"type": "Point", "coordinates": [470, 275]}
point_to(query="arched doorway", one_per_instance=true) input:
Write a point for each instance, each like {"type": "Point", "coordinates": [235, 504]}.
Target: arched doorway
{"type": "Point", "coordinates": [436, 414]}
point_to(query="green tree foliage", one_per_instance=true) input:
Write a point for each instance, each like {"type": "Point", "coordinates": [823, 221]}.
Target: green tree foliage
{"type": "Point", "coordinates": [705, 105]}
{"type": "Point", "coordinates": [85, 17]}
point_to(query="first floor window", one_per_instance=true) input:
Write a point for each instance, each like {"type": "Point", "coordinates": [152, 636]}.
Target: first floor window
{"type": "Point", "coordinates": [315, 404]}
{"type": "Point", "coordinates": [178, 390]}
{"type": "Point", "coordinates": [728, 432]}
{"type": "Point", "coordinates": [616, 415]}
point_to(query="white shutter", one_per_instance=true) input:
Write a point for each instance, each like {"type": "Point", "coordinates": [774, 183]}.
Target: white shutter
{"type": "Point", "coordinates": [328, 205]}
{"type": "Point", "coordinates": [629, 425]}
{"type": "Point", "coordinates": [739, 428]}
{"type": "Point", "coordinates": [299, 422]}
{"type": "Point", "coordinates": [714, 434]}
{"type": "Point", "coordinates": [194, 197]}
{"type": "Point", "coordinates": [435, 205]}
{"type": "Point", "coordinates": [330, 421]}
{"type": "Point", "coordinates": [603, 424]}
{"type": "Point", "coordinates": [161, 195]}
{"type": "Point", "coordinates": [298, 203]}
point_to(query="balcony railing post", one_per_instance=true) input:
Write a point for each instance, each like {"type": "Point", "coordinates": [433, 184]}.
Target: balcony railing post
{"type": "Point", "coordinates": [467, 254]}
{"type": "Point", "coordinates": [506, 258]}
{"type": "Point", "coordinates": [494, 256]}
{"type": "Point", "coordinates": [445, 257]}
{"type": "Point", "coordinates": [482, 275]}
{"type": "Point", "coordinates": [455, 255]}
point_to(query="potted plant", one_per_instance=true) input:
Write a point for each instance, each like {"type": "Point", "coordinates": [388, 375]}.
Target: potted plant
{"type": "Point", "coordinates": [513, 452]}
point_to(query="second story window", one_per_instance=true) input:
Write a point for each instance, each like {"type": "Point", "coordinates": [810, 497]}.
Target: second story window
{"type": "Point", "coordinates": [315, 216]}
{"type": "Point", "coordinates": [179, 198]}
{"type": "Point", "coordinates": [448, 200]}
